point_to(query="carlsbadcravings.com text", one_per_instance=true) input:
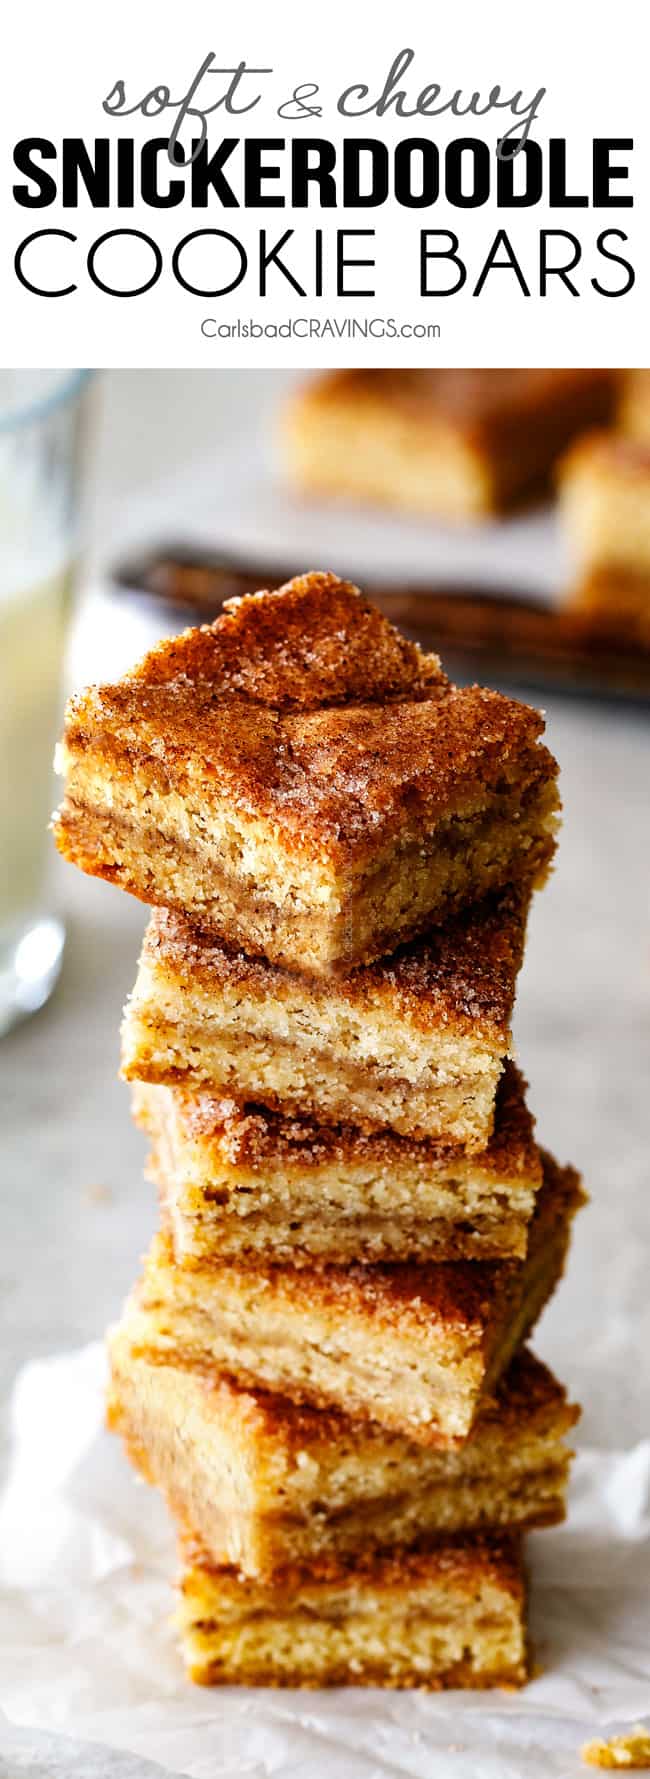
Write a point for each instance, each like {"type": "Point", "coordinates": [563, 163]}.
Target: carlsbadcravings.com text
{"type": "Point", "coordinates": [320, 327]}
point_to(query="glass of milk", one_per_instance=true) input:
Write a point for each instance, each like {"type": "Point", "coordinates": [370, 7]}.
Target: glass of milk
{"type": "Point", "coordinates": [41, 429]}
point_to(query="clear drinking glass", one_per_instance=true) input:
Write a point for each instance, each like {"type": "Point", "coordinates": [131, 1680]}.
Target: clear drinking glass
{"type": "Point", "coordinates": [41, 423]}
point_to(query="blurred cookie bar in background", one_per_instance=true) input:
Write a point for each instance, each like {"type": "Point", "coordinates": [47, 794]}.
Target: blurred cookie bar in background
{"type": "Point", "coordinates": [634, 408]}
{"type": "Point", "coordinates": [459, 444]}
{"type": "Point", "coordinates": [604, 488]}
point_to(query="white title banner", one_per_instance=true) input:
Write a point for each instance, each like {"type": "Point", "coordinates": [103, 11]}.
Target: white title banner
{"type": "Point", "coordinates": [207, 186]}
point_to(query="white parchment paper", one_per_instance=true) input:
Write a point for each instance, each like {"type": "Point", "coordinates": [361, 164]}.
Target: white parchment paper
{"type": "Point", "coordinates": [87, 1651]}
{"type": "Point", "coordinates": [44, 1754]}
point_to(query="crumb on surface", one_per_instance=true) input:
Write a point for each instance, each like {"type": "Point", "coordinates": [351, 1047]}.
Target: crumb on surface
{"type": "Point", "coordinates": [631, 1751]}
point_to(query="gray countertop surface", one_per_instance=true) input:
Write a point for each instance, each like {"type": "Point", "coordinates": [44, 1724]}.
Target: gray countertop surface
{"type": "Point", "coordinates": [77, 1213]}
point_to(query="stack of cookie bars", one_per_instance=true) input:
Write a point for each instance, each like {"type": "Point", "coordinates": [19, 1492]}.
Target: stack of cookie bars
{"type": "Point", "coordinates": [322, 1366]}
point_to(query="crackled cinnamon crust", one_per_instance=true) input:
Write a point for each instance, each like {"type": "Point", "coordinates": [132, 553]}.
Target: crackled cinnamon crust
{"type": "Point", "coordinates": [265, 1484]}
{"type": "Point", "coordinates": [417, 1348]}
{"type": "Point", "coordinates": [304, 781]}
{"type": "Point", "coordinates": [450, 1617]}
{"type": "Point", "coordinates": [416, 1042]}
{"type": "Point", "coordinates": [458, 443]}
{"type": "Point", "coordinates": [241, 1180]}
{"type": "Point", "coordinates": [605, 507]}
